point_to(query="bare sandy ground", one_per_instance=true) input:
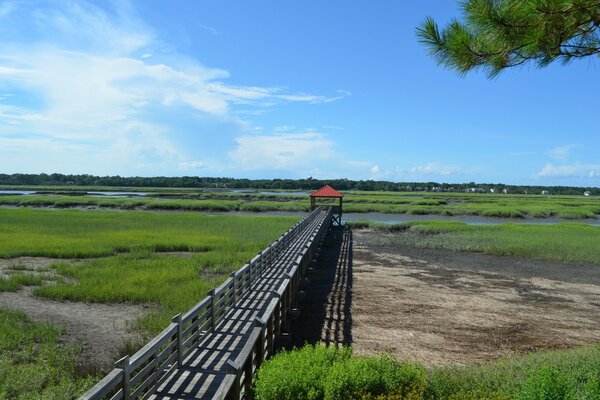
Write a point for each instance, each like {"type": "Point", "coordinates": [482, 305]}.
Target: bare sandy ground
{"type": "Point", "coordinates": [442, 307]}
{"type": "Point", "coordinates": [100, 329]}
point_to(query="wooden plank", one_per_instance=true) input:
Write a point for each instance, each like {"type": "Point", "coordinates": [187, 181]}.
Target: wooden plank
{"type": "Point", "coordinates": [109, 383]}
{"type": "Point", "coordinates": [152, 347]}
{"type": "Point", "coordinates": [196, 310]}
{"type": "Point", "coordinates": [256, 289]}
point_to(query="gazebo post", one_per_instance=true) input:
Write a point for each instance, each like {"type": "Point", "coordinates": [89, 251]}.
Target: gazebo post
{"type": "Point", "coordinates": [329, 192]}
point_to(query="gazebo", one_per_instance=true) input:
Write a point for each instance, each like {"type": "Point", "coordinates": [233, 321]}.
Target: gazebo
{"type": "Point", "coordinates": [328, 192]}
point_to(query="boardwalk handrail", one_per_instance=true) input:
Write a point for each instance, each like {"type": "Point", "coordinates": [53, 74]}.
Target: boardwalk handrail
{"type": "Point", "coordinates": [138, 376]}
{"type": "Point", "coordinates": [260, 344]}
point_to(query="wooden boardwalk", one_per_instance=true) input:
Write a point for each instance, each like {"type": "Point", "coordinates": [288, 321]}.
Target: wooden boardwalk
{"type": "Point", "coordinates": [213, 350]}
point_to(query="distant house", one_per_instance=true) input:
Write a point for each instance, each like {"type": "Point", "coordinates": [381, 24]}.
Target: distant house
{"type": "Point", "coordinates": [505, 191]}
{"type": "Point", "coordinates": [545, 192]}
{"type": "Point", "coordinates": [587, 193]}
{"type": "Point", "coordinates": [492, 190]}
{"type": "Point", "coordinates": [475, 190]}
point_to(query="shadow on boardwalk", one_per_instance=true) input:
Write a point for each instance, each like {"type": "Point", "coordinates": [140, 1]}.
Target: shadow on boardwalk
{"type": "Point", "coordinates": [325, 311]}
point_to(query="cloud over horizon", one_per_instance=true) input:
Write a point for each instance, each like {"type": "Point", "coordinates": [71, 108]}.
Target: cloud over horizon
{"type": "Point", "coordinates": [83, 83]}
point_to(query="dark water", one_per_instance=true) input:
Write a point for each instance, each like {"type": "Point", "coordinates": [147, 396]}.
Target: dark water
{"type": "Point", "coordinates": [399, 218]}
{"type": "Point", "coordinates": [18, 192]}
{"type": "Point", "coordinates": [467, 219]}
{"type": "Point", "coordinates": [266, 192]}
{"type": "Point", "coordinates": [117, 194]}
{"type": "Point", "coordinates": [95, 194]}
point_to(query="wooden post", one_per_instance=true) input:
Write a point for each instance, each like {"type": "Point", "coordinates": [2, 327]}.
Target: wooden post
{"type": "Point", "coordinates": [260, 352]}
{"type": "Point", "coordinates": [248, 374]}
{"type": "Point", "coordinates": [211, 294]}
{"type": "Point", "coordinates": [234, 289]}
{"type": "Point", "coordinates": [250, 274]}
{"type": "Point", "coordinates": [234, 369]}
{"type": "Point", "coordinates": [179, 348]}
{"type": "Point", "coordinates": [123, 363]}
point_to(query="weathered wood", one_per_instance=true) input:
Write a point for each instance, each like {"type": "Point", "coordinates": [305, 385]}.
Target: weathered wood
{"type": "Point", "coordinates": [123, 363]}
{"type": "Point", "coordinates": [177, 320]}
{"type": "Point", "coordinates": [214, 349]}
{"type": "Point", "coordinates": [103, 388]}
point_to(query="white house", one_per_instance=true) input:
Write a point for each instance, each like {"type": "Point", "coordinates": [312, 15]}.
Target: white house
{"type": "Point", "coordinates": [587, 193]}
{"type": "Point", "coordinates": [545, 192]}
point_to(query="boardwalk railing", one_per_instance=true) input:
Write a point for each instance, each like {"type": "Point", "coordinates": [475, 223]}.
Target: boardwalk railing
{"type": "Point", "coordinates": [139, 376]}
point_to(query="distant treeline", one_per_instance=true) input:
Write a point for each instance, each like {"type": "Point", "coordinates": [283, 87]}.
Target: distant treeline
{"type": "Point", "coordinates": [288, 184]}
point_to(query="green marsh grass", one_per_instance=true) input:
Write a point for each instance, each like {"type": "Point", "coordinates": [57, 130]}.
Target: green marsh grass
{"type": "Point", "coordinates": [127, 249]}
{"type": "Point", "coordinates": [32, 363]}
{"type": "Point", "coordinates": [416, 203]}
{"type": "Point", "coordinates": [14, 282]}
{"type": "Point", "coordinates": [86, 234]}
{"type": "Point", "coordinates": [563, 242]}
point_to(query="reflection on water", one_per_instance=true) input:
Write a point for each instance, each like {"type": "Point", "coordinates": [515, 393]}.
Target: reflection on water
{"type": "Point", "coordinates": [13, 192]}
{"type": "Point", "coordinates": [117, 194]}
{"type": "Point", "coordinates": [265, 192]}
{"type": "Point", "coordinates": [467, 219]}
{"type": "Point", "coordinates": [399, 218]}
{"type": "Point", "coordinates": [95, 194]}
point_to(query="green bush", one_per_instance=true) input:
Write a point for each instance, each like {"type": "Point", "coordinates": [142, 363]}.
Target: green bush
{"type": "Point", "coordinates": [356, 378]}
{"type": "Point", "coordinates": [544, 384]}
{"type": "Point", "coordinates": [324, 373]}
{"type": "Point", "coordinates": [298, 374]}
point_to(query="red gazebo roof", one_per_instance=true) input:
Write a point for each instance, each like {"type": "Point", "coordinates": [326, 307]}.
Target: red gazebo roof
{"type": "Point", "coordinates": [326, 191]}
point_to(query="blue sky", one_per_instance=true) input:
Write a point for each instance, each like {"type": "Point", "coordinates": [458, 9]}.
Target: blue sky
{"type": "Point", "coordinates": [278, 89]}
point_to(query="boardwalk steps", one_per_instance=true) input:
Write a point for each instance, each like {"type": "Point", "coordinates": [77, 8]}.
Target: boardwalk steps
{"type": "Point", "coordinates": [213, 350]}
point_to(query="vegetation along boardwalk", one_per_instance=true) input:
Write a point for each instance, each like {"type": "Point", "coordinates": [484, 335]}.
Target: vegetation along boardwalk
{"type": "Point", "coordinates": [213, 350]}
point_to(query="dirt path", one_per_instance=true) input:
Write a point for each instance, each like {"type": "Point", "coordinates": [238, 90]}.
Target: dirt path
{"type": "Point", "coordinates": [100, 329]}
{"type": "Point", "coordinates": [440, 307]}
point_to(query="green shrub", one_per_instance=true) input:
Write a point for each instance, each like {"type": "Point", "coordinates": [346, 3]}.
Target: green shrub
{"type": "Point", "coordinates": [298, 374]}
{"type": "Point", "coordinates": [356, 378]}
{"type": "Point", "coordinates": [544, 384]}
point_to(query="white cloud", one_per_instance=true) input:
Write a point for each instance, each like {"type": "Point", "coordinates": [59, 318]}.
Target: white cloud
{"type": "Point", "coordinates": [97, 80]}
{"type": "Point", "coordinates": [562, 153]}
{"type": "Point", "coordinates": [210, 29]}
{"type": "Point", "coordinates": [434, 168]}
{"type": "Point", "coordinates": [284, 151]}
{"type": "Point", "coordinates": [570, 171]}
{"type": "Point", "coordinates": [191, 165]}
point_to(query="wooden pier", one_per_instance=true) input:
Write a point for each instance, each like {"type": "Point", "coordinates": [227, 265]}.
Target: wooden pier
{"type": "Point", "coordinates": [213, 350]}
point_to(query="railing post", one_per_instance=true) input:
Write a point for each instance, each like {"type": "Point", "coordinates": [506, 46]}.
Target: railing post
{"type": "Point", "coordinates": [234, 369]}
{"type": "Point", "coordinates": [250, 274]}
{"type": "Point", "coordinates": [234, 289]}
{"type": "Point", "coordinates": [123, 363]}
{"type": "Point", "coordinates": [177, 320]}
{"type": "Point", "coordinates": [260, 353]}
{"type": "Point", "coordinates": [211, 294]}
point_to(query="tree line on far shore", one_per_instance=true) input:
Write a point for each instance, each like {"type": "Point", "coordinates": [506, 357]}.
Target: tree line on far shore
{"type": "Point", "coordinates": [282, 184]}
